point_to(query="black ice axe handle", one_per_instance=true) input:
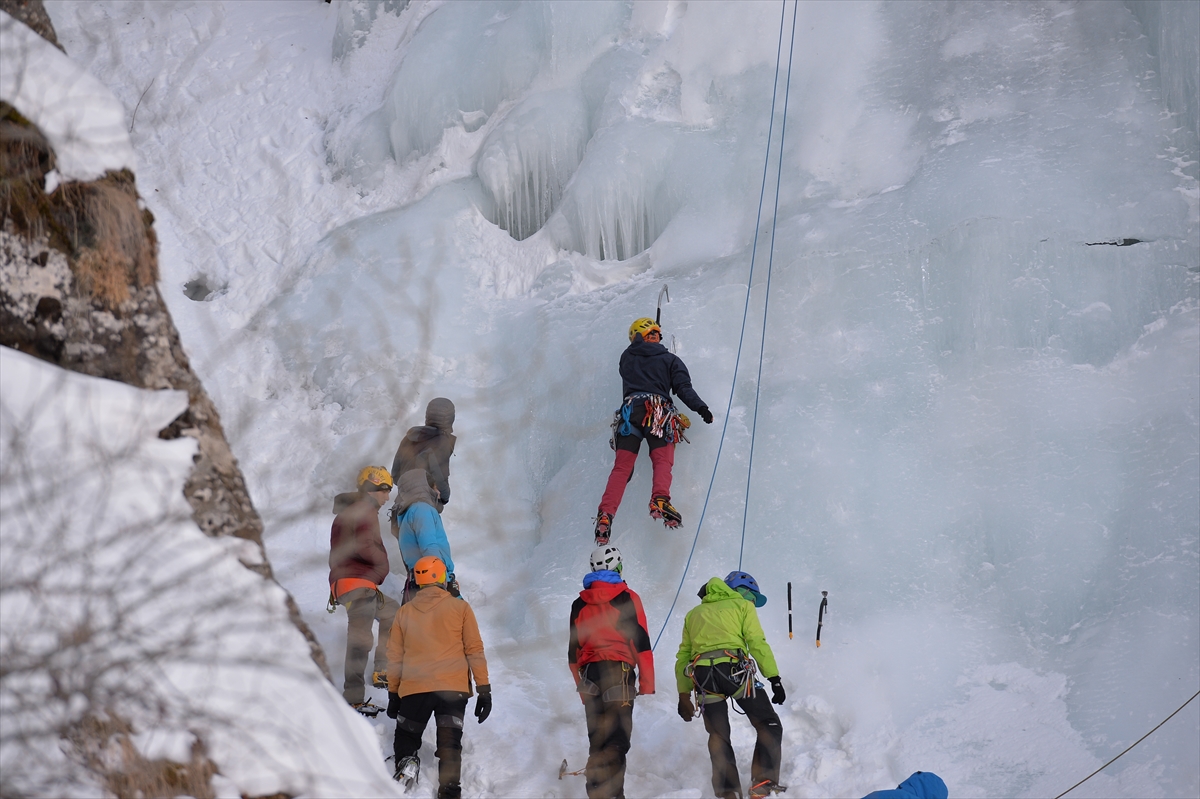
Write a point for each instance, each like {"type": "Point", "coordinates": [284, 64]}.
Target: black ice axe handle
{"type": "Point", "coordinates": [658, 314]}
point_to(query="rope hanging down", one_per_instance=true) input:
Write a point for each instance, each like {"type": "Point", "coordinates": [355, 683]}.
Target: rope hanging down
{"type": "Point", "coordinates": [762, 343]}
{"type": "Point", "coordinates": [746, 308]}
{"type": "Point", "coordinates": [1135, 743]}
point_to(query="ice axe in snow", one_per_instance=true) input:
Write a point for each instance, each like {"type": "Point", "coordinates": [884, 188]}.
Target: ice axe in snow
{"type": "Point", "coordinates": [562, 771]}
{"type": "Point", "coordinates": [821, 614]}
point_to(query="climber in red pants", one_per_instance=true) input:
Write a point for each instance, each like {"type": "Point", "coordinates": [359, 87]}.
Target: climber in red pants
{"type": "Point", "coordinates": [649, 373]}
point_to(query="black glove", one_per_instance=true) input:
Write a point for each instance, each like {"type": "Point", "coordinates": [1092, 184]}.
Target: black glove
{"type": "Point", "coordinates": [778, 695]}
{"type": "Point", "coordinates": [687, 711]}
{"type": "Point", "coordinates": [706, 415]}
{"type": "Point", "coordinates": [393, 705]}
{"type": "Point", "coordinates": [452, 586]}
{"type": "Point", "coordinates": [483, 704]}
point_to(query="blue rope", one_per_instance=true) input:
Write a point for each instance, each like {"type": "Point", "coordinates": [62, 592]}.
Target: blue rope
{"type": "Point", "coordinates": [745, 313]}
{"type": "Point", "coordinates": [767, 294]}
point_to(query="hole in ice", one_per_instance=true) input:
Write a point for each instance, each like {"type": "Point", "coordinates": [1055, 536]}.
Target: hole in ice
{"type": "Point", "coordinates": [1114, 243]}
{"type": "Point", "coordinates": [198, 290]}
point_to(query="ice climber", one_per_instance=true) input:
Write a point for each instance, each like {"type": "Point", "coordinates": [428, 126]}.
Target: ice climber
{"type": "Point", "coordinates": [919, 785]}
{"type": "Point", "coordinates": [429, 447]}
{"type": "Point", "coordinates": [649, 373]}
{"type": "Point", "coordinates": [434, 653]}
{"type": "Point", "coordinates": [609, 651]}
{"type": "Point", "coordinates": [419, 528]}
{"type": "Point", "coordinates": [358, 564]}
{"type": "Point", "coordinates": [720, 636]}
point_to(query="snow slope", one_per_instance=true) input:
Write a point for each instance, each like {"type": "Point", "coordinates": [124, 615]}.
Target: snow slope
{"type": "Point", "coordinates": [977, 425]}
{"type": "Point", "coordinates": [104, 566]}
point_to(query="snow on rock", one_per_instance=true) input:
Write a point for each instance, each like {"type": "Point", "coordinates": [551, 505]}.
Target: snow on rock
{"type": "Point", "coordinates": [117, 606]}
{"type": "Point", "coordinates": [83, 121]}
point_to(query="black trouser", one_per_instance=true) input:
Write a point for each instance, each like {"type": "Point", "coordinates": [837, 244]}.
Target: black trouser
{"type": "Point", "coordinates": [448, 709]}
{"type": "Point", "coordinates": [768, 748]}
{"type": "Point", "coordinates": [363, 608]}
{"type": "Point", "coordinates": [609, 713]}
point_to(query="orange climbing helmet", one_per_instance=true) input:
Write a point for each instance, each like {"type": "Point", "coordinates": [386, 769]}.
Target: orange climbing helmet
{"type": "Point", "coordinates": [429, 570]}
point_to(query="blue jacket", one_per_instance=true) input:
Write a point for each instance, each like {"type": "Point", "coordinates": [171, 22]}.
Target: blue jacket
{"type": "Point", "coordinates": [919, 785]}
{"type": "Point", "coordinates": [421, 534]}
{"type": "Point", "coordinates": [648, 367]}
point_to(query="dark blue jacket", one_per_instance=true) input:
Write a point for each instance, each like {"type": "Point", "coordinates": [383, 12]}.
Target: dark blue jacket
{"type": "Point", "coordinates": [920, 785]}
{"type": "Point", "coordinates": [648, 367]}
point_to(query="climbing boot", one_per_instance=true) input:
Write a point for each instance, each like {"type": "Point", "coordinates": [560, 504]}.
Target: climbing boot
{"type": "Point", "coordinates": [763, 789]}
{"type": "Point", "coordinates": [408, 771]}
{"type": "Point", "coordinates": [379, 679]}
{"type": "Point", "coordinates": [603, 528]}
{"type": "Point", "coordinates": [661, 508]}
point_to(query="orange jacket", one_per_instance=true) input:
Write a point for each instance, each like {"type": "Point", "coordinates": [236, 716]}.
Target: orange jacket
{"type": "Point", "coordinates": [435, 646]}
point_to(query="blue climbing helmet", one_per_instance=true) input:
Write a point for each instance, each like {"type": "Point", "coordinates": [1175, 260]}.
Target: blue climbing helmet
{"type": "Point", "coordinates": [738, 580]}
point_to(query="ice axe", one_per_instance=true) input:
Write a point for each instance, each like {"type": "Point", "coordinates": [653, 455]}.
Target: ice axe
{"type": "Point", "coordinates": [663, 292]}
{"type": "Point", "coordinates": [821, 615]}
{"type": "Point", "coordinates": [789, 609]}
{"type": "Point", "coordinates": [562, 771]}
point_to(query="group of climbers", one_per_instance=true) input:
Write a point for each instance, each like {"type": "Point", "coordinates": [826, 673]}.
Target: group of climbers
{"type": "Point", "coordinates": [722, 648]}
{"type": "Point", "coordinates": [609, 648]}
{"type": "Point", "coordinates": [429, 652]}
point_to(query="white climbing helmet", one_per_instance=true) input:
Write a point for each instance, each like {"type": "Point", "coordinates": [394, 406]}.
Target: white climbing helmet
{"type": "Point", "coordinates": [606, 557]}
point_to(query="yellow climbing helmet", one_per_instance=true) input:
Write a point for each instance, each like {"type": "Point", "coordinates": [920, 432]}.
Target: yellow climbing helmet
{"type": "Point", "coordinates": [643, 326]}
{"type": "Point", "coordinates": [374, 478]}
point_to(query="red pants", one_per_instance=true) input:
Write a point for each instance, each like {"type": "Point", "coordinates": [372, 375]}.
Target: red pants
{"type": "Point", "coordinates": [662, 459]}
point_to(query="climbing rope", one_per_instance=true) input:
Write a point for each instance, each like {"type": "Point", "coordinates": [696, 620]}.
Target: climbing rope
{"type": "Point", "coordinates": [1135, 743]}
{"type": "Point", "coordinates": [746, 309]}
{"type": "Point", "coordinates": [762, 343]}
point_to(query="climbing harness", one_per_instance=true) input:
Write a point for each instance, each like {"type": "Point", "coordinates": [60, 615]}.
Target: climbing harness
{"type": "Point", "coordinates": [749, 284]}
{"type": "Point", "coordinates": [623, 691]}
{"type": "Point", "coordinates": [660, 420]}
{"type": "Point", "coordinates": [708, 688]}
{"type": "Point", "coordinates": [345, 585]}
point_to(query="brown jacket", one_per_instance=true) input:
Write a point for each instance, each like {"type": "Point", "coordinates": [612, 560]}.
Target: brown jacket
{"type": "Point", "coordinates": [355, 547]}
{"type": "Point", "coordinates": [435, 646]}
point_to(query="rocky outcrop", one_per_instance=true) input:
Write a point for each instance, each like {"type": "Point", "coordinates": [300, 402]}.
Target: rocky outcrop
{"type": "Point", "coordinates": [33, 14]}
{"type": "Point", "coordinates": [79, 288]}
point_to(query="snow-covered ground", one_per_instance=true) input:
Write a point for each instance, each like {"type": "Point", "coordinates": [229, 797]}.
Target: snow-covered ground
{"type": "Point", "coordinates": [977, 426]}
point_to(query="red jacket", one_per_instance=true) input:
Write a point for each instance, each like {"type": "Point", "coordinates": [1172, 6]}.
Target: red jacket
{"type": "Point", "coordinates": [355, 548]}
{"type": "Point", "coordinates": [608, 623]}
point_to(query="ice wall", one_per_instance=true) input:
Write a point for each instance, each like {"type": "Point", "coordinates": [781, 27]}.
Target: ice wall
{"type": "Point", "coordinates": [978, 397]}
{"type": "Point", "coordinates": [1170, 28]}
{"type": "Point", "coordinates": [977, 426]}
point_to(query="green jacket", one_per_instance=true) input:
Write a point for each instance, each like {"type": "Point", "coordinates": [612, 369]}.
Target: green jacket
{"type": "Point", "coordinates": [722, 620]}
